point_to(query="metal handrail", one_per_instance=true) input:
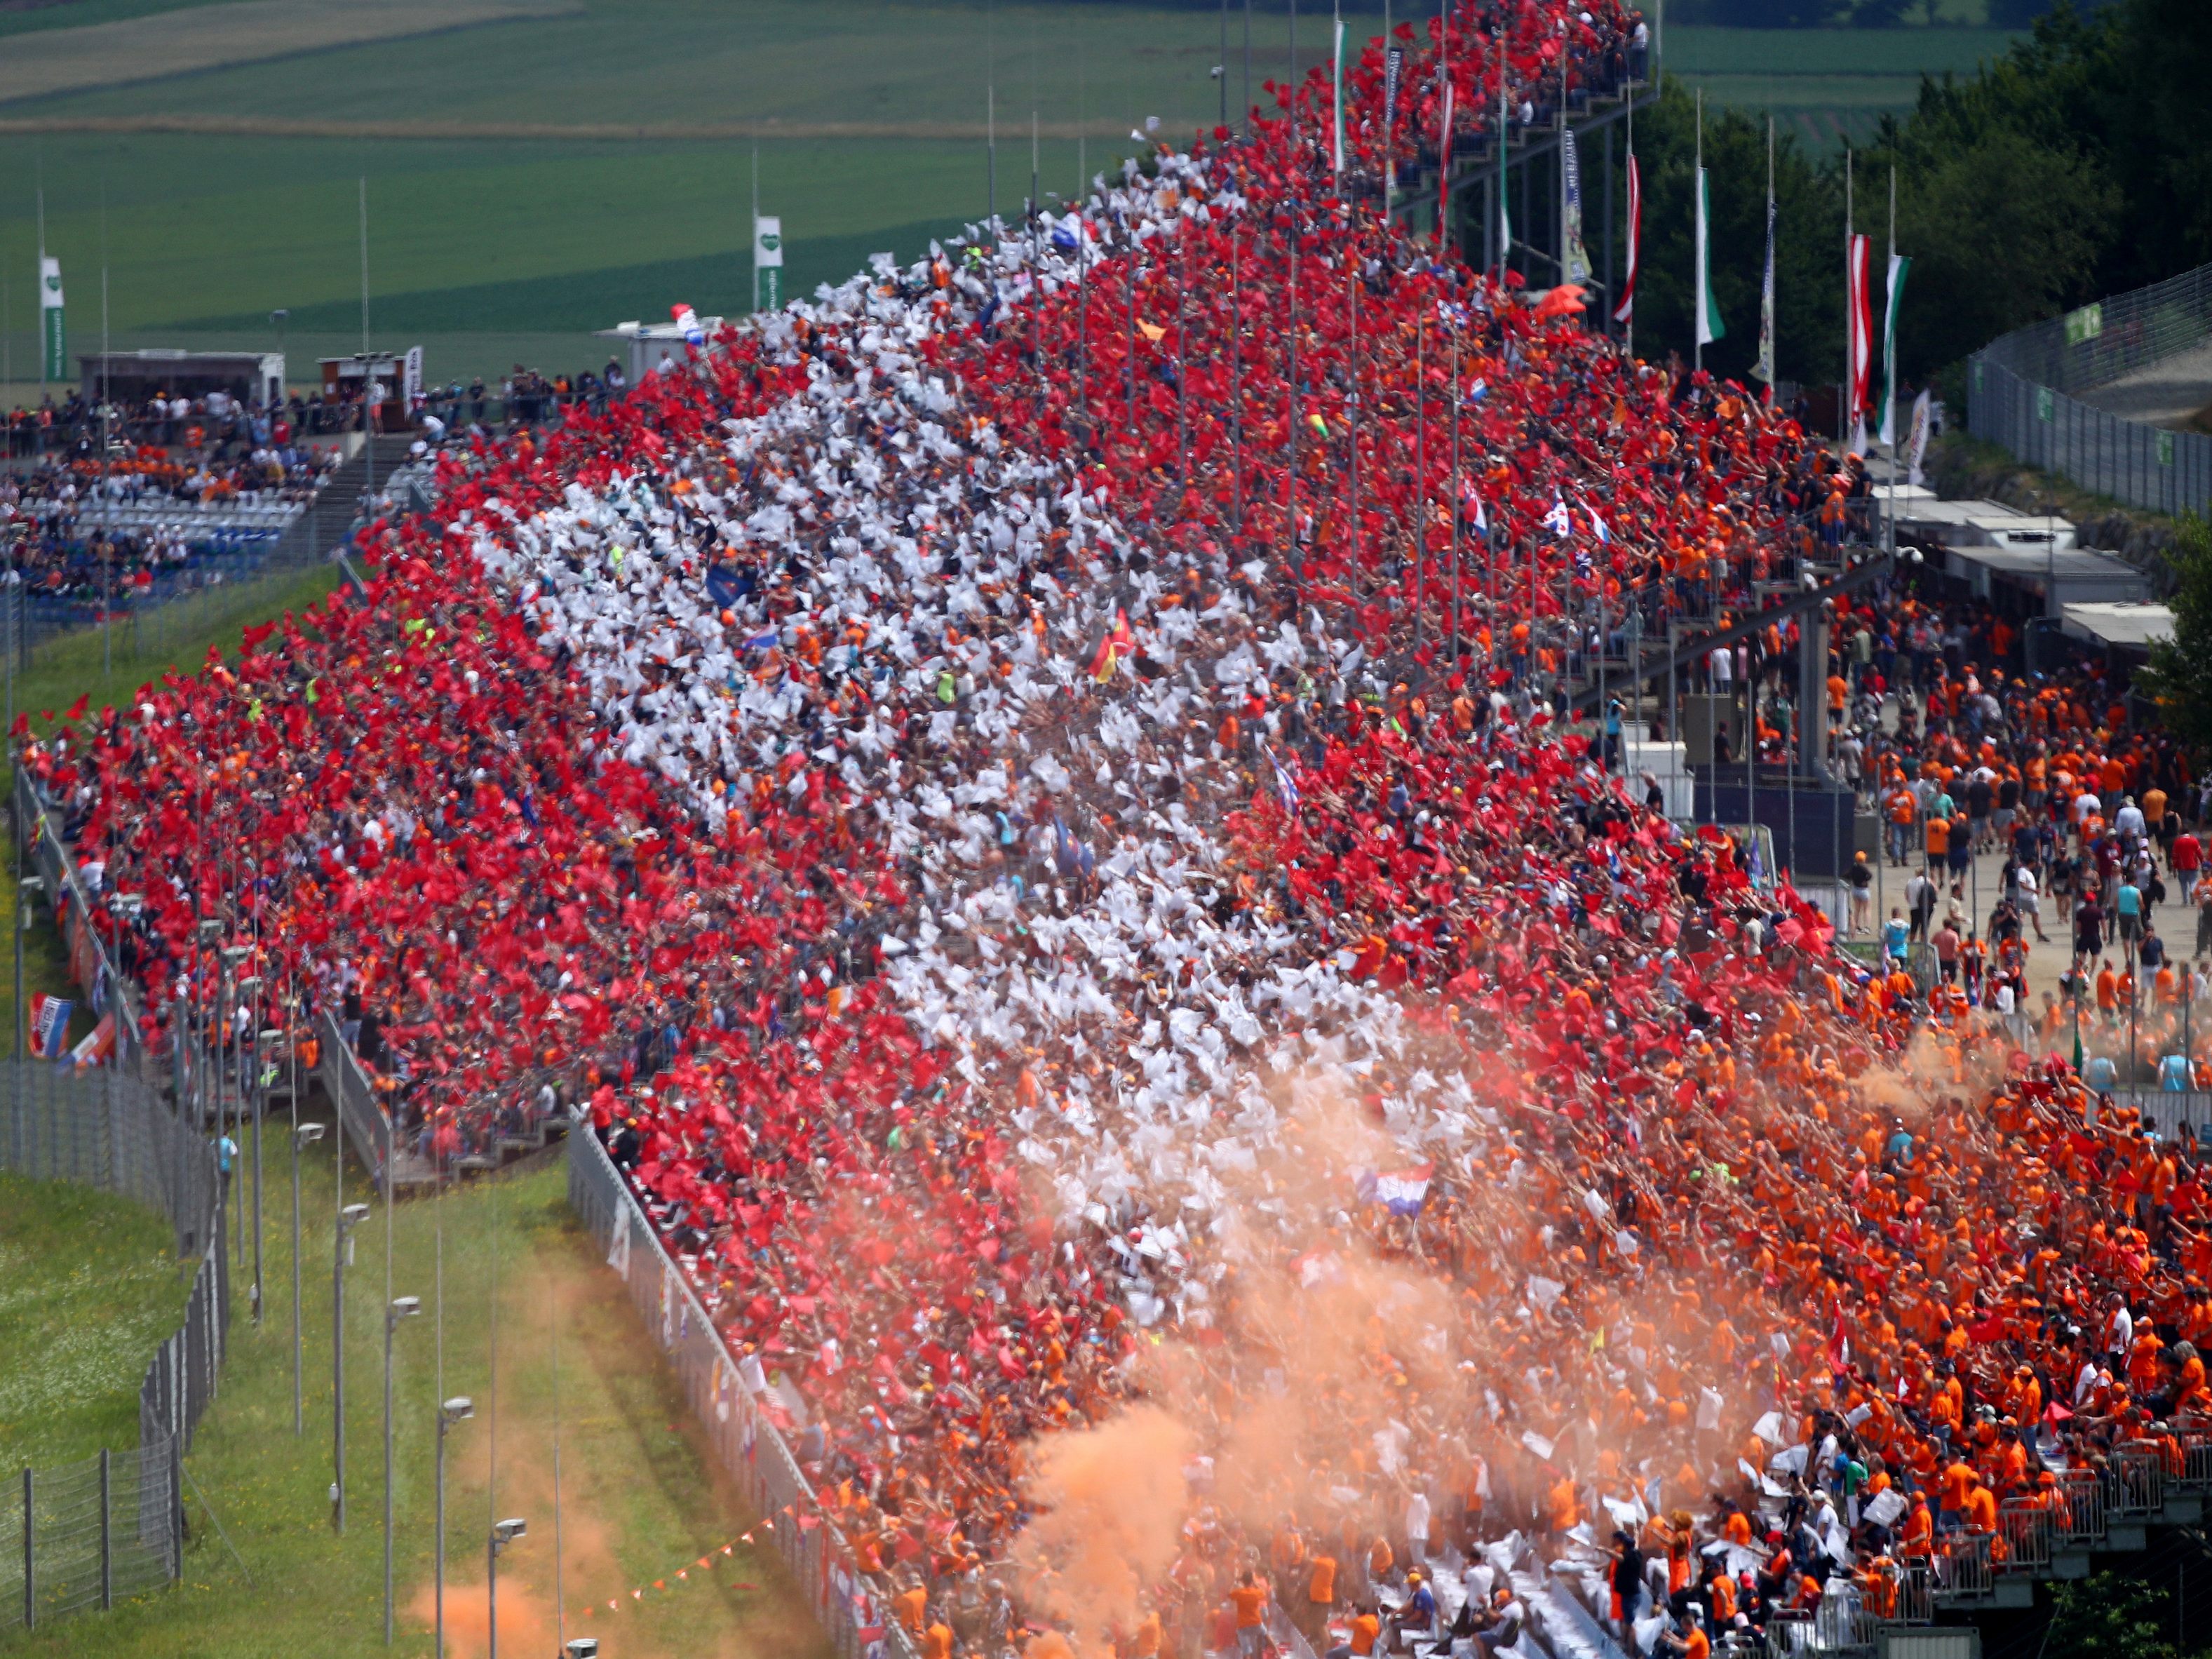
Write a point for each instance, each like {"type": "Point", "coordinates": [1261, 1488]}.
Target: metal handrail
{"type": "Point", "coordinates": [2081, 1512]}
{"type": "Point", "coordinates": [2027, 1528]}
{"type": "Point", "coordinates": [347, 1081]}
{"type": "Point", "coordinates": [2139, 1479]}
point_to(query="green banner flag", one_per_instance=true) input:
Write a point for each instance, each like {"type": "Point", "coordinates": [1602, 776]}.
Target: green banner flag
{"type": "Point", "coordinates": [1899, 264]}
{"type": "Point", "coordinates": [1710, 327]}
{"type": "Point", "coordinates": [53, 334]}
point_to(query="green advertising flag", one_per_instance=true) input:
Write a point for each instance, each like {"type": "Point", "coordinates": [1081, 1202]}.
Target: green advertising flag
{"type": "Point", "coordinates": [1899, 264]}
{"type": "Point", "coordinates": [1710, 327]}
{"type": "Point", "coordinates": [53, 334]}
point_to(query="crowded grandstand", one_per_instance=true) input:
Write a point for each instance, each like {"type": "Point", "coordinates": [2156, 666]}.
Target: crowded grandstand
{"type": "Point", "coordinates": [1033, 802]}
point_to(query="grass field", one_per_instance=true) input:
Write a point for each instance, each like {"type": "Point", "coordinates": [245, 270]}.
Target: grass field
{"type": "Point", "coordinates": [88, 1288]}
{"type": "Point", "coordinates": [494, 251]}
{"type": "Point", "coordinates": [639, 1502]}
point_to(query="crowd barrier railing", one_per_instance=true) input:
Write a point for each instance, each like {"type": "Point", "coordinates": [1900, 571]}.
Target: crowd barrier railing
{"type": "Point", "coordinates": [348, 1083]}
{"type": "Point", "coordinates": [2083, 1511]}
{"type": "Point", "coordinates": [727, 1394]}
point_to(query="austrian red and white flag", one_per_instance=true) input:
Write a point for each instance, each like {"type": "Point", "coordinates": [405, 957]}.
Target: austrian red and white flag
{"type": "Point", "coordinates": [1626, 309]}
{"type": "Point", "coordinates": [1855, 278]}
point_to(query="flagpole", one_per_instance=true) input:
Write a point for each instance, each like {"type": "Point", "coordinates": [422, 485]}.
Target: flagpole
{"type": "Point", "coordinates": [107, 559]}
{"type": "Point", "coordinates": [991, 118]}
{"type": "Point", "coordinates": [1889, 360]}
{"type": "Point", "coordinates": [1505, 221]}
{"type": "Point", "coordinates": [1851, 369]}
{"type": "Point", "coordinates": [1698, 207]}
{"type": "Point", "coordinates": [1628, 335]}
{"type": "Point", "coordinates": [1420, 468]}
{"type": "Point", "coordinates": [40, 287]}
{"type": "Point", "coordinates": [1766, 319]}
{"type": "Point", "coordinates": [1454, 496]}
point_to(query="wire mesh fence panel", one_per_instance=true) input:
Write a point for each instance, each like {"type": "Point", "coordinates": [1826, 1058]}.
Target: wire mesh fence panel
{"type": "Point", "coordinates": [2139, 465]}
{"type": "Point", "coordinates": [87, 1534]}
{"type": "Point", "coordinates": [2022, 387]}
{"type": "Point", "coordinates": [83, 1535]}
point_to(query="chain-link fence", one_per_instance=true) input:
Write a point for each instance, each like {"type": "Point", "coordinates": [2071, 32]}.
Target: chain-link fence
{"type": "Point", "coordinates": [100, 1128]}
{"type": "Point", "coordinates": [2020, 396]}
{"type": "Point", "coordinates": [85, 1535]}
{"type": "Point", "coordinates": [729, 1396]}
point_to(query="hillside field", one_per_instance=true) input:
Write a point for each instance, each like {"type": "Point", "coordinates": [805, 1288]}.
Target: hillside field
{"type": "Point", "coordinates": [496, 249]}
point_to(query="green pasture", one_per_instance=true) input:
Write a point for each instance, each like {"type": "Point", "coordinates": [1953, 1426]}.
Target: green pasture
{"type": "Point", "coordinates": [89, 1289]}
{"type": "Point", "coordinates": [491, 250]}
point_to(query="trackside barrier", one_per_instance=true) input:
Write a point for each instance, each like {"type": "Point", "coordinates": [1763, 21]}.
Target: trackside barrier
{"type": "Point", "coordinates": [730, 1396]}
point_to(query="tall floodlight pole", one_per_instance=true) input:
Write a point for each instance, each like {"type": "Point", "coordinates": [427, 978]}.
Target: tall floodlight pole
{"type": "Point", "coordinates": [303, 1135]}
{"type": "Point", "coordinates": [349, 1218]}
{"type": "Point", "coordinates": [399, 1308]}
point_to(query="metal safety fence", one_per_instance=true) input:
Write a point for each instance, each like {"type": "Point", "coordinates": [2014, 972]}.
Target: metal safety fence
{"type": "Point", "coordinates": [2021, 387]}
{"type": "Point", "coordinates": [731, 1397]}
{"type": "Point", "coordinates": [85, 1535]}
{"type": "Point", "coordinates": [367, 1125]}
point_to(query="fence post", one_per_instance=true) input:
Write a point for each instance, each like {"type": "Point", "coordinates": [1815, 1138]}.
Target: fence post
{"type": "Point", "coordinates": [176, 1504]}
{"type": "Point", "coordinates": [30, 1561]}
{"type": "Point", "coordinates": [107, 1532]}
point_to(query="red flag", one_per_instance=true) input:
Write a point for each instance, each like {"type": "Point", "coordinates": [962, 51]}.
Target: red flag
{"type": "Point", "coordinates": [1861, 322]}
{"type": "Point", "coordinates": [76, 709]}
{"type": "Point", "coordinates": [1626, 309]}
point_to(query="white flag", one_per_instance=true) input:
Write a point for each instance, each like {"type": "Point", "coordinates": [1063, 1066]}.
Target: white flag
{"type": "Point", "coordinates": [1898, 266]}
{"type": "Point", "coordinates": [1708, 311]}
{"type": "Point", "coordinates": [1916, 444]}
{"type": "Point", "coordinates": [1336, 106]}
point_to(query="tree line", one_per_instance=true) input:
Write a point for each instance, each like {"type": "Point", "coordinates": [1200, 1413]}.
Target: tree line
{"type": "Point", "coordinates": [2076, 166]}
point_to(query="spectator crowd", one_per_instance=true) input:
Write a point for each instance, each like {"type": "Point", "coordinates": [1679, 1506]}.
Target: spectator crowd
{"type": "Point", "coordinates": [1028, 800]}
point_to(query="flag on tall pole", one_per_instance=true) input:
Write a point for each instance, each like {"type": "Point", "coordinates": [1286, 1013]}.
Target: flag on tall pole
{"type": "Point", "coordinates": [1708, 311]}
{"type": "Point", "coordinates": [1898, 265]}
{"type": "Point", "coordinates": [1625, 311]}
{"type": "Point", "coordinates": [767, 260]}
{"type": "Point", "coordinates": [1577, 261]}
{"type": "Point", "coordinates": [1896, 292]}
{"type": "Point", "coordinates": [1336, 104]}
{"type": "Point", "coordinates": [1392, 63]}
{"type": "Point", "coordinates": [1856, 276]}
{"type": "Point", "coordinates": [1505, 214]}
{"type": "Point", "coordinates": [1763, 369]}
{"type": "Point", "coordinates": [1443, 168]}
{"type": "Point", "coordinates": [53, 332]}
